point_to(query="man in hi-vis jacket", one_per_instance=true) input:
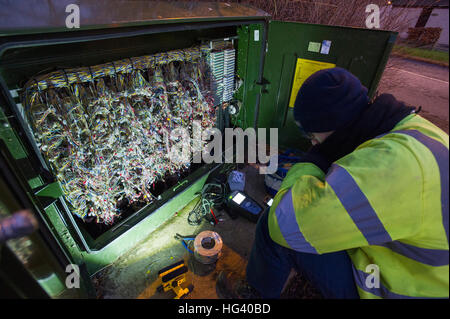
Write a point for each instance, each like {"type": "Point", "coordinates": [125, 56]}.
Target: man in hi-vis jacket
{"type": "Point", "coordinates": [365, 214]}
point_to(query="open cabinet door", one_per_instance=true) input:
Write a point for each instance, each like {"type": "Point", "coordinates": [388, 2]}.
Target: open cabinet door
{"type": "Point", "coordinates": [33, 265]}
{"type": "Point", "coordinates": [296, 50]}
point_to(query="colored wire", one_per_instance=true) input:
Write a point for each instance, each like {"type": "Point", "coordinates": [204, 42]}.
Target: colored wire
{"type": "Point", "coordinates": [104, 129]}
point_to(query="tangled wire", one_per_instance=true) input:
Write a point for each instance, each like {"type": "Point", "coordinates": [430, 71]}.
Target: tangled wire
{"type": "Point", "coordinates": [102, 128]}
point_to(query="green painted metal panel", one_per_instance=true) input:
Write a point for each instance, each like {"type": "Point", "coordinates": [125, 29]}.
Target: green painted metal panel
{"type": "Point", "coordinates": [248, 66]}
{"type": "Point", "coordinates": [31, 251]}
{"type": "Point", "coordinates": [35, 182]}
{"type": "Point", "coordinates": [60, 230]}
{"type": "Point", "coordinates": [52, 284]}
{"type": "Point", "coordinates": [52, 190]}
{"type": "Point", "coordinates": [364, 52]}
{"type": "Point", "coordinates": [8, 135]}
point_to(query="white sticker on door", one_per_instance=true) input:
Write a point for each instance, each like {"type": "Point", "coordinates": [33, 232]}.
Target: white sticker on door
{"type": "Point", "coordinates": [314, 47]}
{"type": "Point", "coordinates": [326, 45]}
{"type": "Point", "coordinates": [256, 35]}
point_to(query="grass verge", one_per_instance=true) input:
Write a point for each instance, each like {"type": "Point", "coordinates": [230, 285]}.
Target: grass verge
{"type": "Point", "coordinates": [426, 55]}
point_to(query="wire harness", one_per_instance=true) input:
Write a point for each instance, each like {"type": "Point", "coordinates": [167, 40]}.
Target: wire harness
{"type": "Point", "coordinates": [104, 129]}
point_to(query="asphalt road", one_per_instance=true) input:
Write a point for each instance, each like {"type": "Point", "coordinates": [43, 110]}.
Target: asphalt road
{"type": "Point", "coordinates": [419, 84]}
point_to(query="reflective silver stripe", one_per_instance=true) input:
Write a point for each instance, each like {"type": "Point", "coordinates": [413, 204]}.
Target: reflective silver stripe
{"type": "Point", "coordinates": [382, 291]}
{"type": "Point", "coordinates": [432, 257]}
{"type": "Point", "coordinates": [288, 225]}
{"type": "Point", "coordinates": [357, 205]}
{"type": "Point", "coordinates": [440, 153]}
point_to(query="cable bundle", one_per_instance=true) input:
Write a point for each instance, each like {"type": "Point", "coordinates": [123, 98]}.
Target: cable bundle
{"type": "Point", "coordinates": [212, 195]}
{"type": "Point", "coordinates": [104, 129]}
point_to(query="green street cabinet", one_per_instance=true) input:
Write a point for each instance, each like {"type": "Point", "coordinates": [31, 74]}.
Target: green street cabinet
{"type": "Point", "coordinates": [270, 61]}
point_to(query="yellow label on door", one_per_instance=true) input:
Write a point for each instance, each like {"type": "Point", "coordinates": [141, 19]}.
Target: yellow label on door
{"type": "Point", "coordinates": [303, 70]}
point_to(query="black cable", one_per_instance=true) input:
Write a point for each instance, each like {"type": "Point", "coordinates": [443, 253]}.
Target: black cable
{"type": "Point", "coordinates": [196, 215]}
{"type": "Point", "coordinates": [212, 195]}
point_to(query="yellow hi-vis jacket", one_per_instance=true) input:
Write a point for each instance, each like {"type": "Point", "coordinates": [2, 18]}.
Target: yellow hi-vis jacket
{"type": "Point", "coordinates": [386, 204]}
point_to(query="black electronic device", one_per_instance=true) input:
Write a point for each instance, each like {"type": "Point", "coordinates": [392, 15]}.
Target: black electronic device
{"type": "Point", "coordinates": [239, 203]}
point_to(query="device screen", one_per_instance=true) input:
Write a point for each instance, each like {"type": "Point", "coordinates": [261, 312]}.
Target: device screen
{"type": "Point", "coordinates": [238, 198]}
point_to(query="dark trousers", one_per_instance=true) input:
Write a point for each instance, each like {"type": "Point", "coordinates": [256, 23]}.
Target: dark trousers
{"type": "Point", "coordinates": [270, 264]}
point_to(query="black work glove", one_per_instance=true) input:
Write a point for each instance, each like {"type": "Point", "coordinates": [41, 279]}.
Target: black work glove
{"type": "Point", "coordinates": [315, 156]}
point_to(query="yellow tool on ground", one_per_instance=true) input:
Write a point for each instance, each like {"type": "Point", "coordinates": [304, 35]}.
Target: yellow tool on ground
{"type": "Point", "coordinates": [172, 277]}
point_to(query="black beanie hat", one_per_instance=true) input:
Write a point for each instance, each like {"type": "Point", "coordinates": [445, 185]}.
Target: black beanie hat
{"type": "Point", "coordinates": [329, 100]}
